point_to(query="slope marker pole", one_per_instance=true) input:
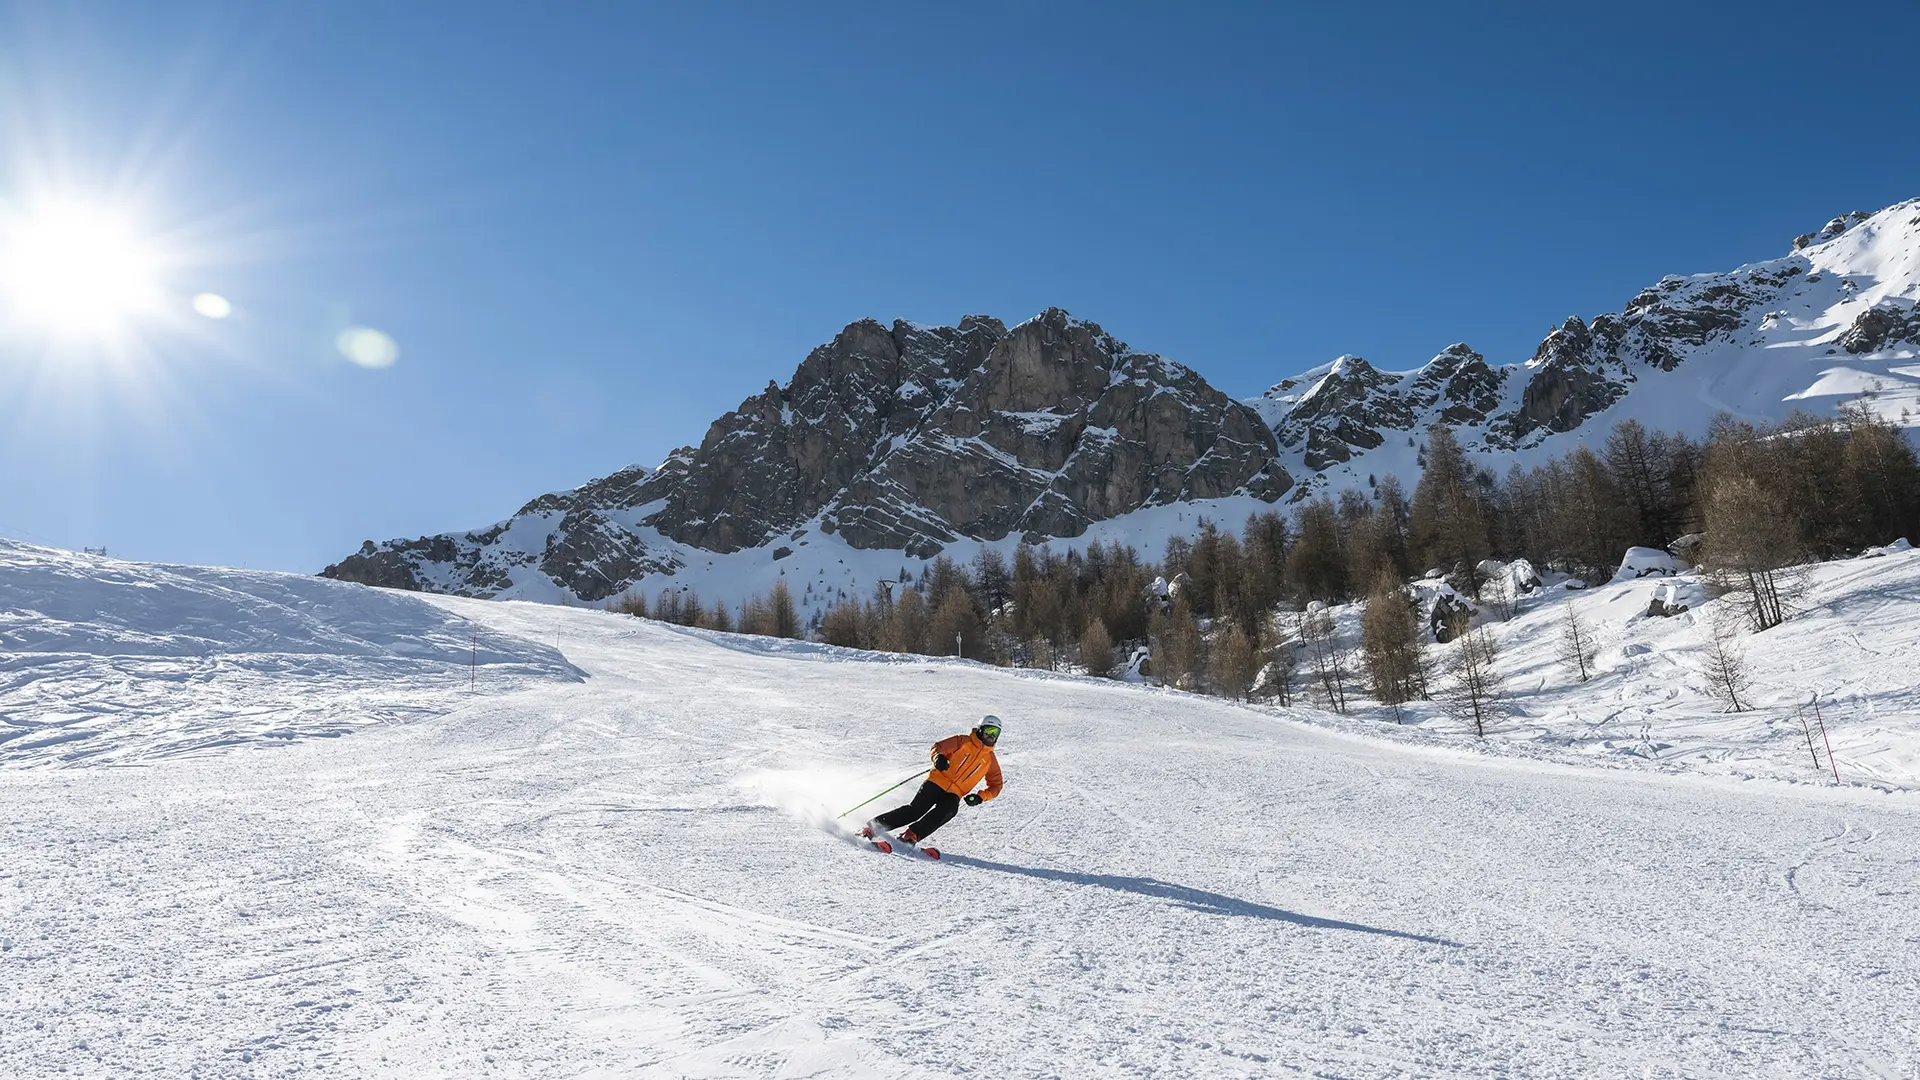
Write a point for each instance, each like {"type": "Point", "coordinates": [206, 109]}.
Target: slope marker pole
{"type": "Point", "coordinates": [473, 660]}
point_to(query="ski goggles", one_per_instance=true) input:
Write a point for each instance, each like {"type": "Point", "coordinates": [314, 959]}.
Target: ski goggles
{"type": "Point", "coordinates": [989, 733]}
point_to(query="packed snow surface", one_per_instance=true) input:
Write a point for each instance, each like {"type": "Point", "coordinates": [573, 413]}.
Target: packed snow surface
{"type": "Point", "coordinates": [640, 874]}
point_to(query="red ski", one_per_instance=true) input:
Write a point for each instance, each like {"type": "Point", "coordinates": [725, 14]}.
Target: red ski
{"type": "Point", "coordinates": [882, 842]}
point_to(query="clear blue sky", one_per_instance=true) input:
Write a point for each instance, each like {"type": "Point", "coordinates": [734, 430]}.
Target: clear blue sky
{"type": "Point", "coordinates": [593, 228]}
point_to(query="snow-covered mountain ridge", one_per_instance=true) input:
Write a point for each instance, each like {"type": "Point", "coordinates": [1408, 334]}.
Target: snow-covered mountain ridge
{"type": "Point", "coordinates": [892, 444]}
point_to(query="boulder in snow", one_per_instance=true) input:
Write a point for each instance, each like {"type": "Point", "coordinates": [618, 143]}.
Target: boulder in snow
{"type": "Point", "coordinates": [1688, 548]}
{"type": "Point", "coordinates": [1443, 608]}
{"type": "Point", "coordinates": [1641, 562]}
{"type": "Point", "coordinates": [1666, 602]}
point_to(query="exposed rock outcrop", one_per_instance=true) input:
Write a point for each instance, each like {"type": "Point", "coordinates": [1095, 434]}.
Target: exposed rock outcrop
{"type": "Point", "coordinates": [904, 437]}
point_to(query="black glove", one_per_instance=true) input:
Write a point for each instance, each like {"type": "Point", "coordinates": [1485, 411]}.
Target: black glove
{"type": "Point", "coordinates": [973, 800]}
{"type": "Point", "coordinates": [940, 762]}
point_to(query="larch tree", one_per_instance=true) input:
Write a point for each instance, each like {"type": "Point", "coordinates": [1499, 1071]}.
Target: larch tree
{"type": "Point", "coordinates": [1576, 641]}
{"type": "Point", "coordinates": [1317, 561]}
{"type": "Point", "coordinates": [1752, 543]}
{"type": "Point", "coordinates": [1234, 663]}
{"type": "Point", "coordinates": [1328, 657]}
{"type": "Point", "coordinates": [1096, 649]}
{"type": "Point", "coordinates": [1447, 522]}
{"type": "Point", "coordinates": [1473, 694]}
{"type": "Point", "coordinates": [1726, 666]}
{"type": "Point", "coordinates": [1390, 643]}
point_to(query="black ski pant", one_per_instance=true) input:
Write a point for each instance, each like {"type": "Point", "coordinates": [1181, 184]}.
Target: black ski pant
{"type": "Point", "coordinates": [932, 807]}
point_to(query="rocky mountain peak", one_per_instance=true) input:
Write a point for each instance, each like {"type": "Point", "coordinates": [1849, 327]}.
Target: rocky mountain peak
{"type": "Point", "coordinates": [1831, 229]}
{"type": "Point", "coordinates": [904, 439]}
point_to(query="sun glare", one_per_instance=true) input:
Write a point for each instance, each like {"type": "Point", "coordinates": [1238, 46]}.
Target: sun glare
{"type": "Point", "coordinates": [77, 271]}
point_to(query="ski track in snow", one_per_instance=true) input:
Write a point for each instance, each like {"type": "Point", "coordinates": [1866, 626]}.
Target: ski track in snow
{"type": "Point", "coordinates": [639, 875]}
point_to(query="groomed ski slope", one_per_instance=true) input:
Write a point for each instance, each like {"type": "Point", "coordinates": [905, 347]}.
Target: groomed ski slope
{"type": "Point", "coordinates": [634, 875]}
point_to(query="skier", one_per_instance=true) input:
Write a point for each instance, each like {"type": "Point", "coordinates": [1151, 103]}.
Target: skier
{"type": "Point", "coordinates": [958, 764]}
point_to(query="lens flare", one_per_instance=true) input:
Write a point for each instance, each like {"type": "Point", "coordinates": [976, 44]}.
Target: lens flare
{"type": "Point", "coordinates": [212, 305]}
{"type": "Point", "coordinates": [367, 347]}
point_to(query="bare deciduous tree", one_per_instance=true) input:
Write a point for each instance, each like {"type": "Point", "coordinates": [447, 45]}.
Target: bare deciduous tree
{"type": "Point", "coordinates": [1327, 656]}
{"type": "Point", "coordinates": [1177, 646]}
{"type": "Point", "coordinates": [1576, 642]}
{"type": "Point", "coordinates": [1726, 668]}
{"type": "Point", "coordinates": [846, 624]}
{"type": "Point", "coordinates": [1277, 661]}
{"type": "Point", "coordinates": [1473, 694]}
{"type": "Point", "coordinates": [1752, 542]}
{"type": "Point", "coordinates": [630, 603]}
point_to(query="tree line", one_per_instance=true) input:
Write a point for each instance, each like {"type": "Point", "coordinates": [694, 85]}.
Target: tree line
{"type": "Point", "coordinates": [1247, 612]}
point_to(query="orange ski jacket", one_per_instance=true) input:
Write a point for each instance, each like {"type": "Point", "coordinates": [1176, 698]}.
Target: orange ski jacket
{"type": "Point", "coordinates": [968, 759]}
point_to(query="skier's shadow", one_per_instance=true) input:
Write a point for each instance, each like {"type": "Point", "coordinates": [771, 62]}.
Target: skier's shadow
{"type": "Point", "coordinates": [1194, 899]}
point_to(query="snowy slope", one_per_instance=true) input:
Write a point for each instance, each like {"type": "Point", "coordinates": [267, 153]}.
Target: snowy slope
{"type": "Point", "coordinates": [109, 661]}
{"type": "Point", "coordinates": [638, 876]}
{"type": "Point", "coordinates": [1649, 702]}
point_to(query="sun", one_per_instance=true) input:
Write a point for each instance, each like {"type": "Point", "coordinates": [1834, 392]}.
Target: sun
{"type": "Point", "coordinates": [76, 270]}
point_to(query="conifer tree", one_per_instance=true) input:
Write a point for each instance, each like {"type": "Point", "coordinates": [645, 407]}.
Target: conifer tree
{"type": "Point", "coordinates": [906, 628]}
{"type": "Point", "coordinates": [784, 622]}
{"type": "Point", "coordinates": [1096, 649]}
{"type": "Point", "coordinates": [1726, 667]}
{"type": "Point", "coordinates": [1447, 523]}
{"type": "Point", "coordinates": [845, 623]}
{"type": "Point", "coordinates": [954, 624]}
{"type": "Point", "coordinates": [1390, 643]}
{"type": "Point", "coordinates": [1317, 562]}
{"type": "Point", "coordinates": [1232, 664]}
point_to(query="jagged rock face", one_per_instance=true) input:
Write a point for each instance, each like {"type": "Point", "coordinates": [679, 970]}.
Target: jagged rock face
{"type": "Point", "coordinates": [1832, 229]}
{"type": "Point", "coordinates": [1571, 382]}
{"type": "Point", "coordinates": [1352, 407]}
{"type": "Point", "coordinates": [903, 438]}
{"type": "Point", "coordinates": [1345, 412]}
{"type": "Point", "coordinates": [1884, 324]}
{"type": "Point", "coordinates": [1461, 383]}
{"type": "Point", "coordinates": [1849, 287]}
{"type": "Point", "coordinates": [779, 458]}
{"type": "Point", "coordinates": [1584, 368]}
{"type": "Point", "coordinates": [1059, 427]}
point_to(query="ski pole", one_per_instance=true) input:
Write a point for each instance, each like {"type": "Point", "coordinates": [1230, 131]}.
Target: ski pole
{"type": "Point", "coordinates": [895, 787]}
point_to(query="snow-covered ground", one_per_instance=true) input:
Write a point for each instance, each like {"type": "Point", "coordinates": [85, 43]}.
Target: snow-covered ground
{"type": "Point", "coordinates": [110, 661]}
{"type": "Point", "coordinates": [638, 874]}
{"type": "Point", "coordinates": [1853, 644]}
